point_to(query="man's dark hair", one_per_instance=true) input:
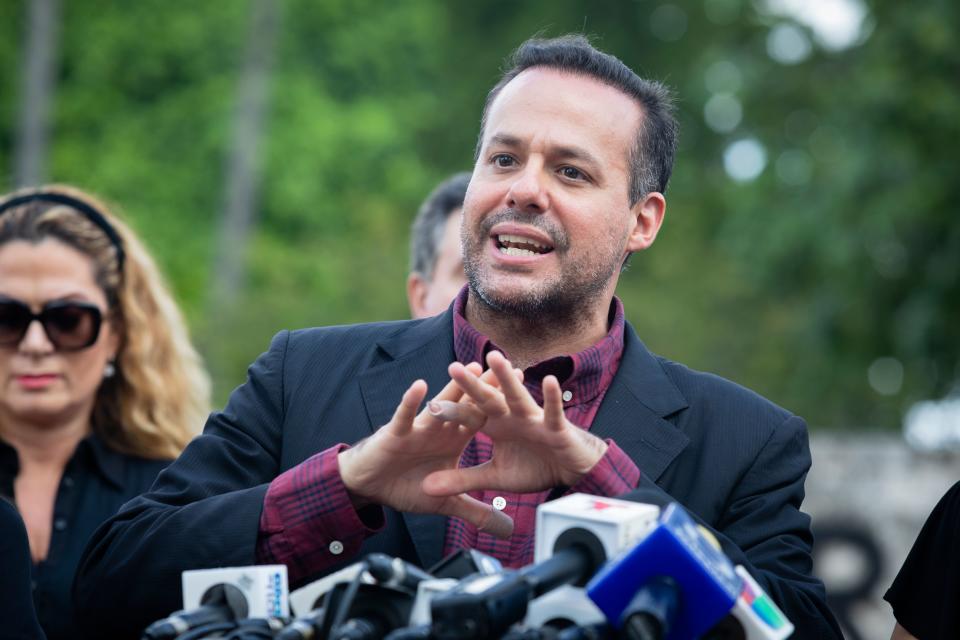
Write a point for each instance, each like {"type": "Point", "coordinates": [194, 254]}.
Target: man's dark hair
{"type": "Point", "coordinates": [651, 158]}
{"type": "Point", "coordinates": [426, 234]}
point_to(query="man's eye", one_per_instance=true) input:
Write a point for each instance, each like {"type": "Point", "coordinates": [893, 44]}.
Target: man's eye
{"type": "Point", "coordinates": [573, 173]}
{"type": "Point", "coordinates": [503, 160]}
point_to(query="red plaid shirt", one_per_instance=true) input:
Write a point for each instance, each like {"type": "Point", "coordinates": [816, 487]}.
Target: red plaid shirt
{"type": "Point", "coordinates": [308, 521]}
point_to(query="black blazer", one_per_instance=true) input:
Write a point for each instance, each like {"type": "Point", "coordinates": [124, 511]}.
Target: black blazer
{"type": "Point", "coordinates": [17, 616]}
{"type": "Point", "coordinates": [734, 459]}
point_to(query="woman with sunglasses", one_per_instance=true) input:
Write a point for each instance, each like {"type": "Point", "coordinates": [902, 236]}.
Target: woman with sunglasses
{"type": "Point", "coordinates": [99, 385]}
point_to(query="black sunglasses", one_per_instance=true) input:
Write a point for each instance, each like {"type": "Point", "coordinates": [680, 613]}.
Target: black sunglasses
{"type": "Point", "coordinates": [70, 326]}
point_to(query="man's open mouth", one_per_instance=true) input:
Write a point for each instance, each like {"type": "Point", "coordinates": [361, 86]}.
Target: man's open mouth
{"type": "Point", "coordinates": [512, 245]}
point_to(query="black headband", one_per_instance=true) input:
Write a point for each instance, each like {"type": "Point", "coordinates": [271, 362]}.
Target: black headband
{"type": "Point", "coordinates": [91, 214]}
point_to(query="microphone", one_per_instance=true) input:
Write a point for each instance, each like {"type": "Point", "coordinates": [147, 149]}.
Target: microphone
{"type": "Point", "coordinates": [465, 562]}
{"type": "Point", "coordinates": [413, 632]}
{"type": "Point", "coordinates": [223, 596]}
{"type": "Point", "coordinates": [652, 610]}
{"type": "Point", "coordinates": [374, 611]}
{"type": "Point", "coordinates": [563, 607]}
{"type": "Point", "coordinates": [374, 568]}
{"type": "Point", "coordinates": [221, 605]}
{"type": "Point", "coordinates": [305, 627]}
{"type": "Point", "coordinates": [262, 589]}
{"type": "Point", "coordinates": [309, 597]}
{"type": "Point", "coordinates": [446, 573]}
{"type": "Point", "coordinates": [338, 603]}
{"type": "Point", "coordinates": [753, 617]}
{"type": "Point", "coordinates": [254, 628]}
{"type": "Point", "coordinates": [575, 536]}
{"type": "Point", "coordinates": [574, 632]}
{"type": "Point", "coordinates": [394, 572]}
{"type": "Point", "coordinates": [702, 586]}
{"type": "Point", "coordinates": [485, 606]}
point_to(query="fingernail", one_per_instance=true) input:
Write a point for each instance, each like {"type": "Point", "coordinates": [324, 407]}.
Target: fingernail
{"type": "Point", "coordinates": [433, 407]}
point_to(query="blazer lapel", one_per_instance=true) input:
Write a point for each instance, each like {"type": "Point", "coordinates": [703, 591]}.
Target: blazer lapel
{"type": "Point", "coordinates": [424, 350]}
{"type": "Point", "coordinates": [634, 407]}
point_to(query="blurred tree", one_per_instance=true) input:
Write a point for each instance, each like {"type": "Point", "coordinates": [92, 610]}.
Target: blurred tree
{"type": "Point", "coordinates": [810, 250]}
{"type": "Point", "coordinates": [38, 72]}
{"type": "Point", "coordinates": [242, 175]}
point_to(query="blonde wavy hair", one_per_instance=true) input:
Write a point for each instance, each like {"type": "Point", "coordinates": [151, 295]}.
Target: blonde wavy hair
{"type": "Point", "coordinates": [160, 394]}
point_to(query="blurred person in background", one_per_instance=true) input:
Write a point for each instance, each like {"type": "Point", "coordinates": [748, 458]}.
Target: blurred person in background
{"type": "Point", "coordinates": [17, 615]}
{"type": "Point", "coordinates": [436, 267]}
{"type": "Point", "coordinates": [101, 386]}
{"type": "Point", "coordinates": [925, 595]}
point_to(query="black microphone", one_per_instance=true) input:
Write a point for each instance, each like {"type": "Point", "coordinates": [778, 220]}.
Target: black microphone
{"type": "Point", "coordinates": [339, 598]}
{"type": "Point", "coordinates": [418, 632]}
{"type": "Point", "coordinates": [394, 572]}
{"type": "Point", "coordinates": [598, 631]}
{"type": "Point", "coordinates": [255, 629]}
{"type": "Point", "coordinates": [212, 630]}
{"type": "Point", "coordinates": [652, 610]}
{"type": "Point", "coordinates": [222, 603]}
{"type": "Point", "coordinates": [374, 611]}
{"type": "Point", "coordinates": [530, 633]}
{"type": "Point", "coordinates": [465, 562]}
{"type": "Point", "coordinates": [305, 627]}
{"type": "Point", "coordinates": [574, 632]}
{"type": "Point", "coordinates": [486, 606]}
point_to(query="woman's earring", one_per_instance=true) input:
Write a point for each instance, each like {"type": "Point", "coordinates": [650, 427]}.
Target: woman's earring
{"type": "Point", "coordinates": [109, 370]}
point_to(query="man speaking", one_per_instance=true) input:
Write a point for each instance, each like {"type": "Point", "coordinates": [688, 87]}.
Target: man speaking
{"type": "Point", "coordinates": [574, 155]}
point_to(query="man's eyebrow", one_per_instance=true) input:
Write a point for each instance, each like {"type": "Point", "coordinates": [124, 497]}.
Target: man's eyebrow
{"type": "Point", "coordinates": [505, 140]}
{"type": "Point", "coordinates": [576, 153]}
{"type": "Point", "coordinates": [565, 152]}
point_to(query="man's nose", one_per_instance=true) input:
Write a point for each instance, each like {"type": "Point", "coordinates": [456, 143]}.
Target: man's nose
{"type": "Point", "coordinates": [528, 192]}
{"type": "Point", "coordinates": [35, 340]}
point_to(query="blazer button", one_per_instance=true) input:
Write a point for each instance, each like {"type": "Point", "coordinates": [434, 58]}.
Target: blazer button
{"type": "Point", "coordinates": [336, 547]}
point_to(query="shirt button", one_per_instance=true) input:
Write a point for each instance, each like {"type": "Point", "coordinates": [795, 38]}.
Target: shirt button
{"type": "Point", "coordinates": [499, 503]}
{"type": "Point", "coordinates": [567, 395]}
{"type": "Point", "coordinates": [336, 547]}
{"type": "Point", "coordinates": [60, 524]}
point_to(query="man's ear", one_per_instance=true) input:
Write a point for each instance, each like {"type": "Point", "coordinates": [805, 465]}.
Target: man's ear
{"type": "Point", "coordinates": [417, 289]}
{"type": "Point", "coordinates": [647, 217]}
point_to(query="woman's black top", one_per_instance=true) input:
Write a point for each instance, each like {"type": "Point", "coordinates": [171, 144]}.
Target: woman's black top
{"type": "Point", "coordinates": [925, 595]}
{"type": "Point", "coordinates": [17, 618]}
{"type": "Point", "coordinates": [96, 481]}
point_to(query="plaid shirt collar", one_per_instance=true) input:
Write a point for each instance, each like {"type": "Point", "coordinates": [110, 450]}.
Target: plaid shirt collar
{"type": "Point", "coordinates": [585, 374]}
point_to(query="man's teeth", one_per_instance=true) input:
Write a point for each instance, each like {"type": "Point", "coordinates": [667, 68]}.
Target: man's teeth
{"type": "Point", "coordinates": [504, 238]}
{"type": "Point", "coordinates": [514, 251]}
{"type": "Point", "coordinates": [520, 246]}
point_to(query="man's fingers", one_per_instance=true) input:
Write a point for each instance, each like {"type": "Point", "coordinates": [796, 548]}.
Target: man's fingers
{"type": "Point", "coordinates": [486, 397]}
{"type": "Point", "coordinates": [516, 395]}
{"type": "Point", "coordinates": [484, 516]}
{"type": "Point", "coordinates": [468, 415]}
{"type": "Point", "coordinates": [553, 416]}
{"type": "Point", "coordinates": [452, 392]}
{"type": "Point", "coordinates": [402, 421]}
{"type": "Point", "coordinates": [450, 482]}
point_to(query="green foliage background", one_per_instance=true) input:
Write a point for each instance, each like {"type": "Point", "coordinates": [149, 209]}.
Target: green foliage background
{"type": "Point", "coordinates": [791, 287]}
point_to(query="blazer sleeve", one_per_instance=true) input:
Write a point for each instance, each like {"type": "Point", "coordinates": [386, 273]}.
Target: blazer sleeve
{"type": "Point", "coordinates": [764, 530]}
{"type": "Point", "coordinates": [203, 511]}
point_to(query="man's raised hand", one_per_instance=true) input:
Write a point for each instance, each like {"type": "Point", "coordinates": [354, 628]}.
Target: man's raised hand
{"type": "Point", "coordinates": [534, 449]}
{"type": "Point", "coordinates": [388, 468]}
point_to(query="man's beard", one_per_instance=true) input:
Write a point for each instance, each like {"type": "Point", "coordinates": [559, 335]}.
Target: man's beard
{"type": "Point", "coordinates": [558, 300]}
